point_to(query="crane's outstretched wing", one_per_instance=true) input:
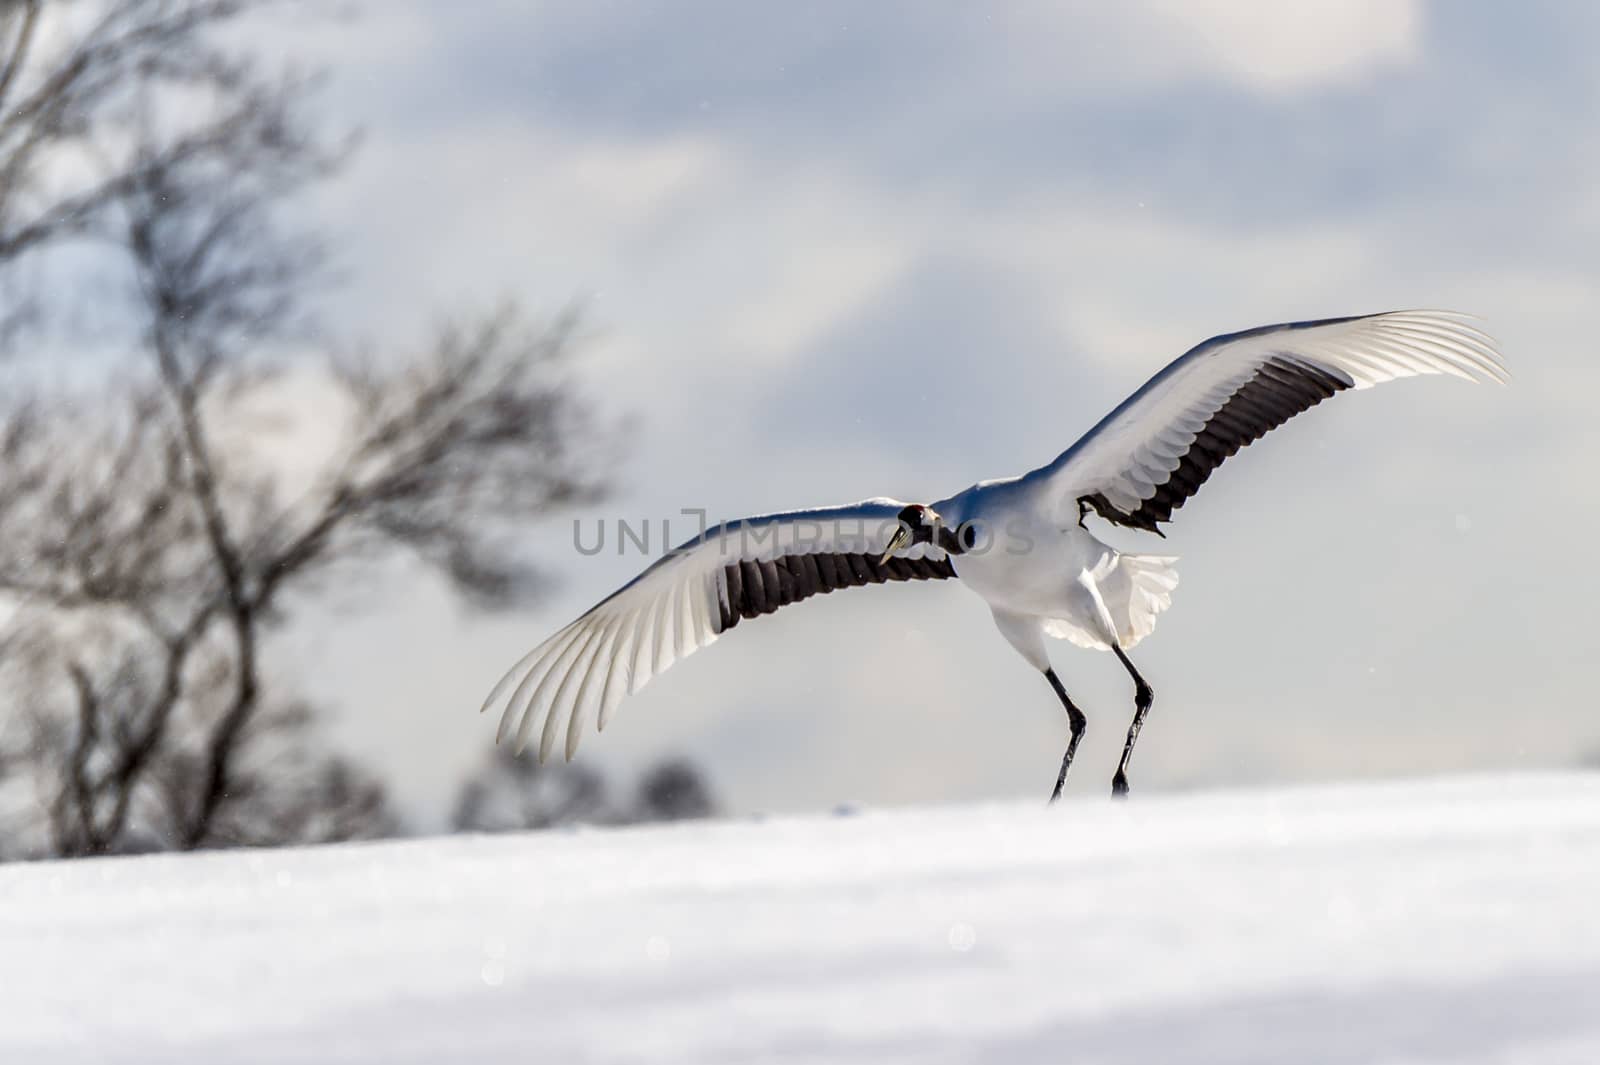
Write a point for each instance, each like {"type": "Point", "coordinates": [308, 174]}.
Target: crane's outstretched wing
{"type": "Point", "coordinates": [1154, 451]}
{"type": "Point", "coordinates": [741, 569]}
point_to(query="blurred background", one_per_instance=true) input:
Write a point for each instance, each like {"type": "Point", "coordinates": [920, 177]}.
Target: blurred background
{"type": "Point", "coordinates": [330, 331]}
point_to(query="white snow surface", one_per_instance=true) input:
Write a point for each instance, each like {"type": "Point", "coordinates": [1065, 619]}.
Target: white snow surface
{"type": "Point", "coordinates": [1453, 920]}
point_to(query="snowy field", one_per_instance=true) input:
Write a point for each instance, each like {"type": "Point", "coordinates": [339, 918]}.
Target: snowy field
{"type": "Point", "coordinates": [1442, 921]}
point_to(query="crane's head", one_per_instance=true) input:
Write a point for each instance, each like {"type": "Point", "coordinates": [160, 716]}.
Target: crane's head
{"type": "Point", "coordinates": [918, 525]}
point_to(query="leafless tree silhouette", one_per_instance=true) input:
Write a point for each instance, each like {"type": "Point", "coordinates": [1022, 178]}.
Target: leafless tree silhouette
{"type": "Point", "coordinates": [147, 546]}
{"type": "Point", "coordinates": [510, 794]}
{"type": "Point", "coordinates": [674, 790]}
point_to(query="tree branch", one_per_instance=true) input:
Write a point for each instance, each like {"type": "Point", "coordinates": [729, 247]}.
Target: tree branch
{"type": "Point", "coordinates": [18, 52]}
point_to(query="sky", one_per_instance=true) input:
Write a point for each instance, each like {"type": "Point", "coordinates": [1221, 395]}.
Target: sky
{"type": "Point", "coordinates": [832, 251]}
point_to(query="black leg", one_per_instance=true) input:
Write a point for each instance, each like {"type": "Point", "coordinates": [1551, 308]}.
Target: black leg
{"type": "Point", "coordinates": [1143, 696]}
{"type": "Point", "coordinates": [1075, 720]}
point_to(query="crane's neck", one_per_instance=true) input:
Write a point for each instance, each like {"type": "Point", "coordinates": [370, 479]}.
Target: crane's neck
{"type": "Point", "coordinates": [948, 539]}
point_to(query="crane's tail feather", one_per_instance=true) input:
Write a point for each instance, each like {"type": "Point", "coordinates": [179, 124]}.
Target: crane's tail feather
{"type": "Point", "coordinates": [1135, 590]}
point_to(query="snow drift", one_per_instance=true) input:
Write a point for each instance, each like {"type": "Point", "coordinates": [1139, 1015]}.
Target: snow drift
{"type": "Point", "coordinates": [1452, 920]}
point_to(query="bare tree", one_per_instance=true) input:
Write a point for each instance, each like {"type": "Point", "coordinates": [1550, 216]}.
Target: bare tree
{"type": "Point", "coordinates": [509, 794]}
{"type": "Point", "coordinates": [674, 790]}
{"type": "Point", "coordinates": [146, 547]}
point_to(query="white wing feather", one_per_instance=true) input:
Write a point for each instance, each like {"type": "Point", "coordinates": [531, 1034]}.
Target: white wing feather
{"type": "Point", "coordinates": [668, 612]}
{"type": "Point", "coordinates": [1136, 447]}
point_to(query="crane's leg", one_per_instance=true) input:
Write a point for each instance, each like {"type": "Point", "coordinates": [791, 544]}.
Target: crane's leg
{"type": "Point", "coordinates": [1075, 720]}
{"type": "Point", "coordinates": [1143, 696]}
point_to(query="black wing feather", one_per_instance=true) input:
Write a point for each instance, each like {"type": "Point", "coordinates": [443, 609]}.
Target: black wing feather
{"type": "Point", "coordinates": [1280, 389]}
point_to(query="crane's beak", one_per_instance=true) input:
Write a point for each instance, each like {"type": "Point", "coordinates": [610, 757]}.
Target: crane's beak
{"type": "Point", "coordinates": [902, 536]}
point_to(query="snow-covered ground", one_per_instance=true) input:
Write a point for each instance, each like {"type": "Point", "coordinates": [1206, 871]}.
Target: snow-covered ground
{"type": "Point", "coordinates": [1453, 920]}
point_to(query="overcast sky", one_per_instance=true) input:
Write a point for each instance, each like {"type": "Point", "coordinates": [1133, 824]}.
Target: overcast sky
{"type": "Point", "coordinates": [798, 231]}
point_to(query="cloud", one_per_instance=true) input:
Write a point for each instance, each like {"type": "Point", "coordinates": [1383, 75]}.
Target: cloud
{"type": "Point", "coordinates": [1282, 47]}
